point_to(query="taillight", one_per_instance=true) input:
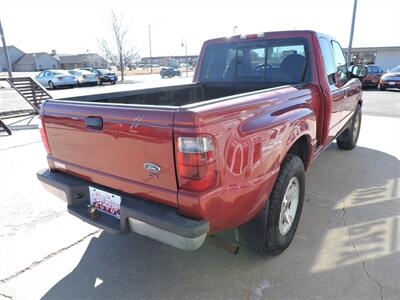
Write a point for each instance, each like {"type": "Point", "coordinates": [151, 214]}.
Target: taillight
{"type": "Point", "coordinates": [196, 163]}
{"type": "Point", "coordinates": [44, 136]}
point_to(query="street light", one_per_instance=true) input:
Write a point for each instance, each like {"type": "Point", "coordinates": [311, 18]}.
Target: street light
{"type": "Point", "coordinates": [184, 44]}
{"type": "Point", "coordinates": [234, 29]}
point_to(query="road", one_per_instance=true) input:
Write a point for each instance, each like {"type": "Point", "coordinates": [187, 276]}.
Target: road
{"type": "Point", "coordinates": [347, 245]}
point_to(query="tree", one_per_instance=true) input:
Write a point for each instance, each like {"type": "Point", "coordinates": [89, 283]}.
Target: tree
{"type": "Point", "coordinates": [121, 54]}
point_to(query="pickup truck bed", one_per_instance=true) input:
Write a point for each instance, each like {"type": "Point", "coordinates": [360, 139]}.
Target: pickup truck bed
{"type": "Point", "coordinates": [178, 95]}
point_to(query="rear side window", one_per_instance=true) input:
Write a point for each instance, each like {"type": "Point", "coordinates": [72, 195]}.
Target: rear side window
{"type": "Point", "coordinates": [263, 61]}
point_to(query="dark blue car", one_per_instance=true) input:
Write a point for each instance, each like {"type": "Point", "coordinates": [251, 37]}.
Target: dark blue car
{"type": "Point", "coordinates": [169, 72]}
{"type": "Point", "coordinates": [105, 75]}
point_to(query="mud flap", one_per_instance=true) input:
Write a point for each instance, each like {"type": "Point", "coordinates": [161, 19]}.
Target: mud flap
{"type": "Point", "coordinates": [253, 234]}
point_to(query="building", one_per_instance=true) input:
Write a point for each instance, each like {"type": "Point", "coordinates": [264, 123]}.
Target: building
{"type": "Point", "coordinates": [13, 53]}
{"type": "Point", "coordinates": [30, 62]}
{"type": "Point", "coordinates": [36, 62]}
{"type": "Point", "coordinates": [86, 60]}
{"type": "Point", "coordinates": [385, 57]}
{"type": "Point", "coordinates": [170, 60]}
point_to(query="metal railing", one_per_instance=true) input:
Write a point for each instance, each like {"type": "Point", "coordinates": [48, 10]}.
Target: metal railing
{"type": "Point", "coordinates": [32, 92]}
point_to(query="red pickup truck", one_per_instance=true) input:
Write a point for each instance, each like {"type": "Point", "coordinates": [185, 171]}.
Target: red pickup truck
{"type": "Point", "coordinates": [227, 151]}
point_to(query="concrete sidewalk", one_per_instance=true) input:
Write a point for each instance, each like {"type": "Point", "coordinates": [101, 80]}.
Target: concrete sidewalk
{"type": "Point", "coordinates": [347, 245]}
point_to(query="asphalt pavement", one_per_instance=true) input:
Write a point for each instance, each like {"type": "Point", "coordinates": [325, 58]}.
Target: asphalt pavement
{"type": "Point", "coordinates": [347, 245]}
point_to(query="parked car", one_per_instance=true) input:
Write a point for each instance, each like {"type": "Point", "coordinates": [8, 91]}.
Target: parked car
{"type": "Point", "coordinates": [56, 78]}
{"type": "Point", "coordinates": [169, 72]}
{"type": "Point", "coordinates": [104, 75]}
{"type": "Point", "coordinates": [374, 74]}
{"type": "Point", "coordinates": [390, 79]}
{"type": "Point", "coordinates": [227, 151]}
{"type": "Point", "coordinates": [84, 77]}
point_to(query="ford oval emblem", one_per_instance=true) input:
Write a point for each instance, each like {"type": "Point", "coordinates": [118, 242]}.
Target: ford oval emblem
{"type": "Point", "coordinates": [151, 167]}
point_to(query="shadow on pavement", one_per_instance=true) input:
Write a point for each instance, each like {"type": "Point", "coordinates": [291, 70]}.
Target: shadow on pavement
{"type": "Point", "coordinates": [347, 246]}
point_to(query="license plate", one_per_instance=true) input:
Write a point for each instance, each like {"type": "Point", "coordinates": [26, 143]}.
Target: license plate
{"type": "Point", "coordinates": [105, 201]}
{"type": "Point", "coordinates": [392, 83]}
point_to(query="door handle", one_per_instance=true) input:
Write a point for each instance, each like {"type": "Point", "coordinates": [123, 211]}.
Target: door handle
{"type": "Point", "coordinates": [94, 123]}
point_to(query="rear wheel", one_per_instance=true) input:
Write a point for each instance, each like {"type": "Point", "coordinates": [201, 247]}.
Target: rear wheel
{"type": "Point", "coordinates": [113, 82]}
{"type": "Point", "coordinates": [285, 205]}
{"type": "Point", "coordinates": [52, 85]}
{"type": "Point", "coordinates": [347, 140]}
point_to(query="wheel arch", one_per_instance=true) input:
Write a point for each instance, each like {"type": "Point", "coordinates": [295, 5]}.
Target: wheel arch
{"type": "Point", "coordinates": [301, 147]}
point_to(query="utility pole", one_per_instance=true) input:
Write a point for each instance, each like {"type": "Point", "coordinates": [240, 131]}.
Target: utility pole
{"type": "Point", "coordinates": [151, 58]}
{"type": "Point", "coordinates": [5, 51]}
{"type": "Point", "coordinates": [184, 44]}
{"type": "Point", "coordinates": [234, 29]}
{"type": "Point", "coordinates": [351, 33]}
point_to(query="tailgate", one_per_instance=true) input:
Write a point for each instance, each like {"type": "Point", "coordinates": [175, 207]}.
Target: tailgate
{"type": "Point", "coordinates": [110, 145]}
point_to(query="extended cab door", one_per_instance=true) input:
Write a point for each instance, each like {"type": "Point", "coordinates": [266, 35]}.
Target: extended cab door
{"type": "Point", "coordinates": [343, 90]}
{"type": "Point", "coordinates": [350, 87]}
{"type": "Point", "coordinates": [337, 94]}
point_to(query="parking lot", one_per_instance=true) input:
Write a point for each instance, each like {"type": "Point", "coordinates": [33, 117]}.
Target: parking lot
{"type": "Point", "coordinates": [347, 245]}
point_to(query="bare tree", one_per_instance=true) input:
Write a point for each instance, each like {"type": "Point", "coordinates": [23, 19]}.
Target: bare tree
{"type": "Point", "coordinates": [121, 54]}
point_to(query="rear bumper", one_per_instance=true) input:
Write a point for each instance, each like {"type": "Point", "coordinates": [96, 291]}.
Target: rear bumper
{"type": "Point", "coordinates": [88, 80]}
{"type": "Point", "coordinates": [386, 85]}
{"type": "Point", "coordinates": [68, 83]}
{"type": "Point", "coordinates": [109, 79]}
{"type": "Point", "coordinates": [154, 220]}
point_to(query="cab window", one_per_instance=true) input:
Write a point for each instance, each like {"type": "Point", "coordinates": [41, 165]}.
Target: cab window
{"type": "Point", "coordinates": [340, 64]}
{"type": "Point", "coordinates": [328, 60]}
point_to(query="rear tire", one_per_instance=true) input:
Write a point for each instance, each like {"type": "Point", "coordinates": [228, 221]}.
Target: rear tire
{"type": "Point", "coordinates": [347, 140]}
{"type": "Point", "coordinates": [113, 82]}
{"type": "Point", "coordinates": [285, 205]}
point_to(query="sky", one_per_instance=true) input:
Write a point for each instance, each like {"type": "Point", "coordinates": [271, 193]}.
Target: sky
{"type": "Point", "coordinates": [75, 26]}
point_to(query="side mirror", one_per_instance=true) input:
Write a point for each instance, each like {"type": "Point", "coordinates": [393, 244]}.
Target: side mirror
{"type": "Point", "coordinates": [358, 71]}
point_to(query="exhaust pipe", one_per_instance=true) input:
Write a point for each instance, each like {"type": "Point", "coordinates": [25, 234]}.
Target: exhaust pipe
{"type": "Point", "coordinates": [226, 245]}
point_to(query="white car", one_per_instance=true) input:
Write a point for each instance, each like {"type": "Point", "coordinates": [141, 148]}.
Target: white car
{"type": "Point", "coordinates": [84, 77]}
{"type": "Point", "coordinates": [56, 78]}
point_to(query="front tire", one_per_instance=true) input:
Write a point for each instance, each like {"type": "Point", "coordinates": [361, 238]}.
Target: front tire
{"type": "Point", "coordinates": [347, 140]}
{"type": "Point", "coordinates": [285, 205]}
